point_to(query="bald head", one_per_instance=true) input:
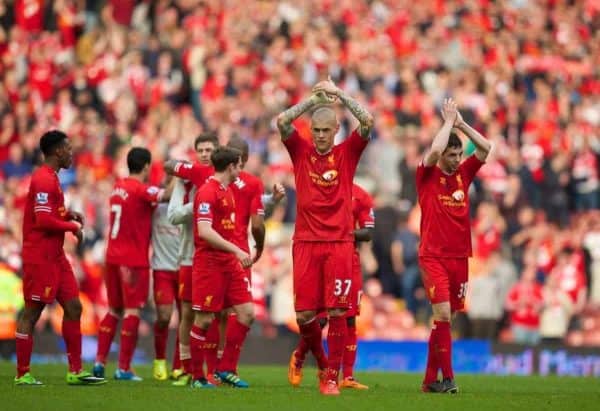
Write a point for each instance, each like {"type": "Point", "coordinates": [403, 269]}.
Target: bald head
{"type": "Point", "coordinates": [241, 145]}
{"type": "Point", "coordinates": [323, 126]}
{"type": "Point", "coordinates": [324, 115]}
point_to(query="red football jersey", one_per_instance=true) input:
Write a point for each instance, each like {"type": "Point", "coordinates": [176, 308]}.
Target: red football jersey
{"type": "Point", "coordinates": [214, 203]}
{"type": "Point", "coordinates": [247, 191]}
{"type": "Point", "coordinates": [444, 201]}
{"type": "Point", "coordinates": [362, 208]}
{"type": "Point", "coordinates": [42, 244]}
{"type": "Point", "coordinates": [29, 15]}
{"type": "Point", "coordinates": [131, 205]}
{"type": "Point", "coordinates": [324, 188]}
{"type": "Point", "coordinates": [195, 172]}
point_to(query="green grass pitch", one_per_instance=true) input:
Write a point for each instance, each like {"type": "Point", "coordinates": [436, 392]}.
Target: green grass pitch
{"type": "Point", "coordinates": [270, 391]}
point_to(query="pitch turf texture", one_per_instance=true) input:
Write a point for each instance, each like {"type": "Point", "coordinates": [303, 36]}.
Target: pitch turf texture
{"type": "Point", "coordinates": [270, 391]}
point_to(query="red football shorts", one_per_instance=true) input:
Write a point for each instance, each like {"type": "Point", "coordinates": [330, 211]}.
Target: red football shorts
{"type": "Point", "coordinates": [50, 281]}
{"type": "Point", "coordinates": [445, 279]}
{"type": "Point", "coordinates": [127, 287]}
{"type": "Point", "coordinates": [165, 286]}
{"type": "Point", "coordinates": [356, 287]}
{"type": "Point", "coordinates": [322, 274]}
{"type": "Point", "coordinates": [219, 283]}
{"type": "Point", "coordinates": [185, 283]}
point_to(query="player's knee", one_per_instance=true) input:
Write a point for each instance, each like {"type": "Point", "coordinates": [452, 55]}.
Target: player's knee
{"type": "Point", "coordinates": [336, 312]}
{"type": "Point", "coordinates": [29, 316]}
{"type": "Point", "coordinates": [246, 318]}
{"type": "Point", "coordinates": [351, 321]}
{"type": "Point", "coordinates": [245, 314]}
{"type": "Point", "coordinates": [116, 312]}
{"type": "Point", "coordinates": [163, 317]}
{"type": "Point", "coordinates": [302, 317]}
{"type": "Point", "coordinates": [72, 309]}
{"type": "Point", "coordinates": [203, 320]}
{"type": "Point", "coordinates": [442, 315]}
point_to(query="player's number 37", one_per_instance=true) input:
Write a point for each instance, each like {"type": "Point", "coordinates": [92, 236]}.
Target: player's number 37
{"type": "Point", "coordinates": [342, 287]}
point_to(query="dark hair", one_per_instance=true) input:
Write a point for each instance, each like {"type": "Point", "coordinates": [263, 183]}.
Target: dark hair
{"type": "Point", "coordinates": [208, 137]}
{"type": "Point", "coordinates": [453, 142]}
{"type": "Point", "coordinates": [51, 140]}
{"type": "Point", "coordinates": [137, 158]}
{"type": "Point", "coordinates": [223, 156]}
{"type": "Point", "coordinates": [239, 144]}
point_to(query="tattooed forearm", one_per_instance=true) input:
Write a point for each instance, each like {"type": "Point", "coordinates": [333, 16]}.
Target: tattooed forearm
{"type": "Point", "coordinates": [362, 115]}
{"type": "Point", "coordinates": [284, 120]}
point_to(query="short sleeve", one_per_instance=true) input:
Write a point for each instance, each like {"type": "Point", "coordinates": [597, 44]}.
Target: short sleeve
{"type": "Point", "coordinates": [355, 145]}
{"type": "Point", "coordinates": [204, 206]}
{"type": "Point", "coordinates": [294, 145]}
{"type": "Point", "coordinates": [256, 205]}
{"type": "Point", "coordinates": [423, 173]}
{"type": "Point", "coordinates": [470, 167]}
{"type": "Point", "coordinates": [151, 194]}
{"type": "Point", "coordinates": [196, 173]}
{"type": "Point", "coordinates": [45, 195]}
{"type": "Point", "coordinates": [366, 215]}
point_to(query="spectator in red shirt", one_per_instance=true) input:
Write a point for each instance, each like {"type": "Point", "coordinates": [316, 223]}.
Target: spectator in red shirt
{"type": "Point", "coordinates": [524, 302]}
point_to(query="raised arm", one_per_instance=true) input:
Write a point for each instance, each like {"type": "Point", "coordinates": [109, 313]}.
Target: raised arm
{"type": "Point", "coordinates": [482, 145]}
{"type": "Point", "coordinates": [177, 212]}
{"type": "Point", "coordinates": [440, 141]}
{"type": "Point", "coordinates": [362, 114]}
{"type": "Point", "coordinates": [285, 119]}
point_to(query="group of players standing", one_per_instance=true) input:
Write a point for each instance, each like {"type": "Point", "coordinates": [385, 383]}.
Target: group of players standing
{"type": "Point", "coordinates": [201, 257]}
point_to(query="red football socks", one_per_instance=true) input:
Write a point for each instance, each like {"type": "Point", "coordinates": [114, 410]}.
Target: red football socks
{"type": "Point", "coordinates": [311, 334]}
{"type": "Point", "coordinates": [212, 343]}
{"type": "Point", "coordinates": [71, 331]}
{"type": "Point", "coordinates": [198, 340]}
{"type": "Point", "coordinates": [129, 334]}
{"type": "Point", "coordinates": [160, 341]}
{"type": "Point", "coordinates": [24, 349]}
{"type": "Point", "coordinates": [300, 353]}
{"type": "Point", "coordinates": [431, 372]}
{"type": "Point", "coordinates": [444, 347]}
{"type": "Point", "coordinates": [349, 352]}
{"type": "Point", "coordinates": [335, 342]}
{"type": "Point", "coordinates": [236, 334]}
{"type": "Point", "coordinates": [106, 334]}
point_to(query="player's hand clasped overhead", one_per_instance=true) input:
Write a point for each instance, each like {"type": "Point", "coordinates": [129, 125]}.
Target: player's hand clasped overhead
{"type": "Point", "coordinates": [449, 111]}
{"type": "Point", "coordinates": [327, 91]}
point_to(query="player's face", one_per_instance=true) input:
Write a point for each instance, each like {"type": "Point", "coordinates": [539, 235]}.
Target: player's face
{"type": "Point", "coordinates": [65, 154]}
{"type": "Point", "coordinates": [450, 159]}
{"type": "Point", "coordinates": [323, 133]}
{"type": "Point", "coordinates": [203, 152]}
{"type": "Point", "coordinates": [234, 170]}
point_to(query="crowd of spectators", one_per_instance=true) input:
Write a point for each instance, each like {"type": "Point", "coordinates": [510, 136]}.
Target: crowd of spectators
{"type": "Point", "coordinates": [118, 73]}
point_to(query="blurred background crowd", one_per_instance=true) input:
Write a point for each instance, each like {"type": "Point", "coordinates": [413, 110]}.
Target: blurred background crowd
{"type": "Point", "coordinates": [118, 73]}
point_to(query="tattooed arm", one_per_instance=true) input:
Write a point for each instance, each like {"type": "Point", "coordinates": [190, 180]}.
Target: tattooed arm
{"type": "Point", "coordinates": [362, 115]}
{"type": "Point", "coordinates": [285, 119]}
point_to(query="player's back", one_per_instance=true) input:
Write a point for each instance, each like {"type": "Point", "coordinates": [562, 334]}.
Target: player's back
{"type": "Point", "coordinates": [44, 196]}
{"type": "Point", "coordinates": [131, 206]}
{"type": "Point", "coordinates": [247, 191]}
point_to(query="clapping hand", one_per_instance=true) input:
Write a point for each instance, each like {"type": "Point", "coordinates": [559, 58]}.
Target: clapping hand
{"type": "Point", "coordinates": [278, 192]}
{"type": "Point", "coordinates": [326, 91]}
{"type": "Point", "coordinates": [450, 112]}
{"type": "Point", "coordinates": [77, 216]}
